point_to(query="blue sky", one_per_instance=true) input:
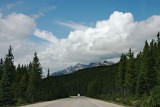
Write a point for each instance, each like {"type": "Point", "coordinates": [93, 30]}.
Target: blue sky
{"type": "Point", "coordinates": [66, 32]}
{"type": "Point", "coordinates": [80, 11]}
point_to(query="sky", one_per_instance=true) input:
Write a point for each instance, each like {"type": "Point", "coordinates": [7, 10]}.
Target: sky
{"type": "Point", "coordinates": [67, 32]}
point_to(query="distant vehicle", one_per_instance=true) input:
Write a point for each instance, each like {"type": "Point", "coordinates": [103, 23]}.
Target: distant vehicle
{"type": "Point", "coordinates": [78, 95]}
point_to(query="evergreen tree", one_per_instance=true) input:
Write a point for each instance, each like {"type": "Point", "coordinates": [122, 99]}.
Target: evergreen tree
{"type": "Point", "coordinates": [17, 80]}
{"type": "Point", "coordinates": [122, 72]}
{"type": "Point", "coordinates": [91, 89]}
{"type": "Point", "coordinates": [23, 86]}
{"type": "Point", "coordinates": [33, 91]}
{"type": "Point", "coordinates": [158, 56]}
{"type": "Point", "coordinates": [1, 69]}
{"type": "Point", "coordinates": [6, 86]}
{"type": "Point", "coordinates": [142, 85]}
{"type": "Point", "coordinates": [21, 82]}
{"type": "Point", "coordinates": [48, 73]}
{"type": "Point", "coordinates": [29, 69]}
{"type": "Point", "coordinates": [152, 73]}
{"type": "Point", "coordinates": [1, 73]}
{"type": "Point", "coordinates": [154, 100]}
{"type": "Point", "coordinates": [11, 67]}
{"type": "Point", "coordinates": [147, 78]}
{"type": "Point", "coordinates": [130, 77]}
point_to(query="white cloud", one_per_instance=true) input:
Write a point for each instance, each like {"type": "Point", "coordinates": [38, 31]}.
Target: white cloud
{"type": "Point", "coordinates": [108, 39]}
{"type": "Point", "coordinates": [36, 16]}
{"type": "Point", "coordinates": [73, 25]}
{"type": "Point", "coordinates": [16, 26]}
{"type": "Point", "coordinates": [14, 30]}
{"type": "Point", "coordinates": [46, 36]}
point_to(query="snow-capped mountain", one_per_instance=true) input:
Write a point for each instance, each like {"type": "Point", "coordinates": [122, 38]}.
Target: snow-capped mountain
{"type": "Point", "coordinates": [79, 66]}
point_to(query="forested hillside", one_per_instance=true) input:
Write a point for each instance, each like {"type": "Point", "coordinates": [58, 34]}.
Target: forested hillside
{"type": "Point", "coordinates": [132, 81]}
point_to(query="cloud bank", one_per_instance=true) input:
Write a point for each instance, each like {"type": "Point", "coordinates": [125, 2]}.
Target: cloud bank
{"type": "Point", "coordinates": [107, 39]}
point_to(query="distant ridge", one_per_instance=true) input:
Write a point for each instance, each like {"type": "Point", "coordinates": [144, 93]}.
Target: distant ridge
{"type": "Point", "coordinates": [79, 66]}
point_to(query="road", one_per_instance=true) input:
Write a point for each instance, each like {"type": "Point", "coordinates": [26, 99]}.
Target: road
{"type": "Point", "coordinates": [74, 102]}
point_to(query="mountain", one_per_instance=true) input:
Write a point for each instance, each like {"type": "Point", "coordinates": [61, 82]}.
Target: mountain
{"type": "Point", "coordinates": [79, 66]}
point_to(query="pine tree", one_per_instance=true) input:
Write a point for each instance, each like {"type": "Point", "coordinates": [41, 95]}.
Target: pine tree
{"type": "Point", "coordinates": [142, 85]}
{"type": "Point", "coordinates": [154, 100]}
{"type": "Point", "coordinates": [158, 57]}
{"type": "Point", "coordinates": [1, 73]}
{"type": "Point", "coordinates": [48, 73]}
{"type": "Point", "coordinates": [121, 73]}
{"type": "Point", "coordinates": [6, 86]}
{"type": "Point", "coordinates": [23, 86]}
{"type": "Point", "coordinates": [152, 73]}
{"type": "Point", "coordinates": [21, 82]}
{"type": "Point", "coordinates": [1, 68]}
{"type": "Point", "coordinates": [11, 67]}
{"type": "Point", "coordinates": [33, 91]}
{"type": "Point", "coordinates": [130, 77]}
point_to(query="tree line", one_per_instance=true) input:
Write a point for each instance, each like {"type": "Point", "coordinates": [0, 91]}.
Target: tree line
{"type": "Point", "coordinates": [134, 80]}
{"type": "Point", "coordinates": [19, 84]}
{"type": "Point", "coordinates": [139, 77]}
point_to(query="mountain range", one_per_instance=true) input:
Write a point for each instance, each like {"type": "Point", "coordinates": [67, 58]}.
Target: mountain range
{"type": "Point", "coordinates": [79, 66]}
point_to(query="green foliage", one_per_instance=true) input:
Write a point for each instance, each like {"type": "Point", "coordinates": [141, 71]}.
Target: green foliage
{"type": "Point", "coordinates": [33, 91]}
{"type": "Point", "coordinates": [1, 68]}
{"type": "Point", "coordinates": [48, 74]}
{"type": "Point", "coordinates": [20, 102]}
{"type": "Point", "coordinates": [6, 85]}
{"type": "Point", "coordinates": [130, 76]}
{"type": "Point", "coordinates": [154, 100]}
{"type": "Point", "coordinates": [122, 74]}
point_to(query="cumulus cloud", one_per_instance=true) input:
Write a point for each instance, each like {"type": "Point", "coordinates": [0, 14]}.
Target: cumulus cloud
{"type": "Point", "coordinates": [14, 30]}
{"type": "Point", "coordinates": [15, 26]}
{"type": "Point", "coordinates": [107, 39]}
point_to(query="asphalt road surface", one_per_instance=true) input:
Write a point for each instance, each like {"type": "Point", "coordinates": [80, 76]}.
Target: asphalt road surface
{"type": "Point", "coordinates": [74, 102]}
